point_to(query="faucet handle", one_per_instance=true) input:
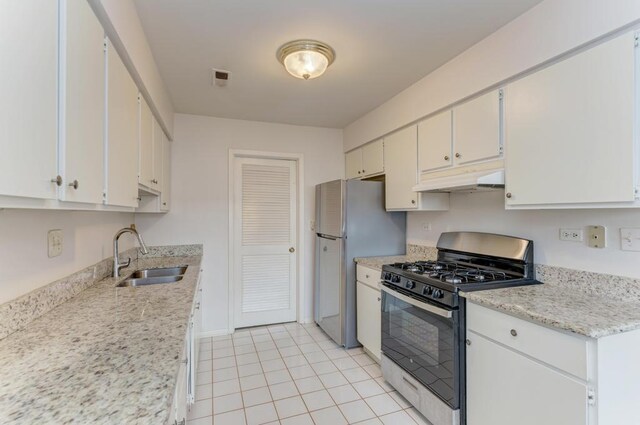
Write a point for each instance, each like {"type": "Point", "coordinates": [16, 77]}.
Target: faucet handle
{"type": "Point", "coordinates": [123, 265]}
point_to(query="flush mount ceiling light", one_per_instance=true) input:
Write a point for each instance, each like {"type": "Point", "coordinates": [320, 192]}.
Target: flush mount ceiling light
{"type": "Point", "coordinates": [306, 59]}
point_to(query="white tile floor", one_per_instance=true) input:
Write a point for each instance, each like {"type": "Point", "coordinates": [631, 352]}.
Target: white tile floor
{"type": "Point", "coordinates": [292, 374]}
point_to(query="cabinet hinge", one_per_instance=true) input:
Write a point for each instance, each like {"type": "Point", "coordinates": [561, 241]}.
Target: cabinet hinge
{"type": "Point", "coordinates": [636, 38]}
{"type": "Point", "coordinates": [500, 94]}
{"type": "Point", "coordinates": [104, 46]}
{"type": "Point", "coordinates": [591, 396]}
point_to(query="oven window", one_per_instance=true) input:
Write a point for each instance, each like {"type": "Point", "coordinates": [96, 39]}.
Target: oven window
{"type": "Point", "coordinates": [423, 344]}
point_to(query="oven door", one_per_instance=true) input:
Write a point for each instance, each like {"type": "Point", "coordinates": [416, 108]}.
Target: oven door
{"type": "Point", "coordinates": [424, 340]}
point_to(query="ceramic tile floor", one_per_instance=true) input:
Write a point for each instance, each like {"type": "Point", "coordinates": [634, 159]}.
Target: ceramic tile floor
{"type": "Point", "coordinates": [292, 374]}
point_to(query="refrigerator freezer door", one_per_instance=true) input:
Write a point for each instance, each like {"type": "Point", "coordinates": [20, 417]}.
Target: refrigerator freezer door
{"type": "Point", "coordinates": [330, 208]}
{"type": "Point", "coordinates": [330, 287]}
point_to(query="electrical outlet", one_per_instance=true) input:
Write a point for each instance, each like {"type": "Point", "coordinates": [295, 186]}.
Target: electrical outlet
{"type": "Point", "coordinates": [597, 236]}
{"type": "Point", "coordinates": [573, 235]}
{"type": "Point", "coordinates": [54, 242]}
{"type": "Point", "coordinates": [426, 227]}
{"type": "Point", "coordinates": [630, 239]}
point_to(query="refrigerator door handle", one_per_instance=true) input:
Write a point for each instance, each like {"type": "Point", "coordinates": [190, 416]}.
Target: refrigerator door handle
{"type": "Point", "coordinates": [323, 236]}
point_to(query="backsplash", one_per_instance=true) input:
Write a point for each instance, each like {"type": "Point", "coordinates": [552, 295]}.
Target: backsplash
{"type": "Point", "coordinates": [17, 313]}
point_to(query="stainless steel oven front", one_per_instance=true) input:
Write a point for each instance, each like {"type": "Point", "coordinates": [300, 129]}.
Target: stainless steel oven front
{"type": "Point", "coordinates": [425, 340]}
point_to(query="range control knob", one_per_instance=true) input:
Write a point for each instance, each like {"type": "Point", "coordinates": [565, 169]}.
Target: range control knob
{"type": "Point", "coordinates": [395, 278]}
{"type": "Point", "coordinates": [427, 290]}
{"type": "Point", "coordinates": [386, 276]}
{"type": "Point", "coordinates": [437, 293]}
{"type": "Point", "coordinates": [410, 284]}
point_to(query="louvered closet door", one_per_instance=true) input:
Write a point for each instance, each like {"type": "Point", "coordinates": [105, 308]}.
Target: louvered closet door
{"type": "Point", "coordinates": [265, 241]}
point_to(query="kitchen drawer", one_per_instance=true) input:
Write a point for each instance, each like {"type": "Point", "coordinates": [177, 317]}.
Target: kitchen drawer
{"type": "Point", "coordinates": [368, 276]}
{"type": "Point", "coordinates": [558, 349]}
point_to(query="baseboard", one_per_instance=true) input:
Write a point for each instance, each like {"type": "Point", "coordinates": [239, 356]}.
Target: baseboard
{"type": "Point", "coordinates": [217, 332]}
{"type": "Point", "coordinates": [307, 320]}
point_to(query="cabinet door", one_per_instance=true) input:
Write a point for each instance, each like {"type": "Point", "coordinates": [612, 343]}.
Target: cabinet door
{"type": "Point", "coordinates": [569, 130]}
{"type": "Point", "coordinates": [29, 88]}
{"type": "Point", "coordinates": [506, 388]}
{"type": "Point", "coordinates": [180, 396]}
{"type": "Point", "coordinates": [122, 133]}
{"type": "Point", "coordinates": [165, 194]}
{"type": "Point", "coordinates": [477, 129]}
{"type": "Point", "coordinates": [146, 144]}
{"type": "Point", "coordinates": [368, 318]}
{"type": "Point", "coordinates": [373, 158]}
{"type": "Point", "coordinates": [401, 169]}
{"type": "Point", "coordinates": [158, 138]}
{"type": "Point", "coordinates": [434, 142]}
{"type": "Point", "coordinates": [82, 112]}
{"type": "Point", "coordinates": [353, 164]}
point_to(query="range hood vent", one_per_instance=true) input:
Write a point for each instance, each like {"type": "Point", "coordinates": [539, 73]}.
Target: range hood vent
{"type": "Point", "coordinates": [467, 182]}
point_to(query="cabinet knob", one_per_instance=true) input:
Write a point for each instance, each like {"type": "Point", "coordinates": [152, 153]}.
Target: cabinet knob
{"type": "Point", "coordinates": [508, 195]}
{"type": "Point", "coordinates": [468, 341]}
{"type": "Point", "coordinates": [446, 157]}
{"type": "Point", "coordinates": [74, 184]}
{"type": "Point", "coordinates": [164, 203]}
{"type": "Point", "coordinates": [379, 299]}
{"type": "Point", "coordinates": [458, 155]}
{"type": "Point", "coordinates": [514, 332]}
{"type": "Point", "coordinates": [413, 201]}
{"type": "Point", "coordinates": [292, 250]}
{"type": "Point", "coordinates": [363, 171]}
{"type": "Point", "coordinates": [57, 180]}
{"type": "Point", "coordinates": [359, 172]}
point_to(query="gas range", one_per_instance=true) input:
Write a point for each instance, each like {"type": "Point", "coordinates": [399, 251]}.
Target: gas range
{"type": "Point", "coordinates": [424, 317]}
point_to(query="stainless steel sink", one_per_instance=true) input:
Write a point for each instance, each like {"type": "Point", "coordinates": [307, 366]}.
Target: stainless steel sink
{"type": "Point", "coordinates": [154, 276]}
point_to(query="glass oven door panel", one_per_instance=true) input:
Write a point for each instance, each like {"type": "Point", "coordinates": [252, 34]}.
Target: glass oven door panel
{"type": "Point", "coordinates": [422, 343]}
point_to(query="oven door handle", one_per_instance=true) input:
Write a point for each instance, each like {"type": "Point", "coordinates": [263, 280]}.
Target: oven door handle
{"type": "Point", "coordinates": [420, 304]}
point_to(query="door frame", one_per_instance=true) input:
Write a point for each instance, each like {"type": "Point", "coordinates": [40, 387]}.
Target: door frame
{"type": "Point", "coordinates": [298, 158]}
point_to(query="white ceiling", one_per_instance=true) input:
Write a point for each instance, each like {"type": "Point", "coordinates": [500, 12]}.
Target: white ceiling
{"type": "Point", "coordinates": [382, 47]}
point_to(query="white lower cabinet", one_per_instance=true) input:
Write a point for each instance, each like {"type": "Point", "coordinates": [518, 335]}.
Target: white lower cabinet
{"type": "Point", "coordinates": [368, 310]}
{"type": "Point", "coordinates": [519, 372]}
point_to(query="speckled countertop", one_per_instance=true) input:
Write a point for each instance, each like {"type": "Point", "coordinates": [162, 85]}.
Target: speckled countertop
{"type": "Point", "coordinates": [586, 303]}
{"type": "Point", "coordinates": [107, 356]}
{"type": "Point", "coordinates": [563, 307]}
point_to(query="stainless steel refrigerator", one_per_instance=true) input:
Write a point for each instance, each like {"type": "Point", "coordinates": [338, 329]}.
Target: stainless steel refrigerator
{"type": "Point", "coordinates": [351, 221]}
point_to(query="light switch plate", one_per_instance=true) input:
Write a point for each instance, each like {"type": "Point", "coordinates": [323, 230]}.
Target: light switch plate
{"type": "Point", "coordinates": [597, 236]}
{"type": "Point", "coordinates": [630, 239]}
{"type": "Point", "coordinates": [54, 242]}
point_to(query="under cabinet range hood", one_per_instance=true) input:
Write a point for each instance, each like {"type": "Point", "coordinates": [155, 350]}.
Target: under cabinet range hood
{"type": "Point", "coordinates": [466, 182]}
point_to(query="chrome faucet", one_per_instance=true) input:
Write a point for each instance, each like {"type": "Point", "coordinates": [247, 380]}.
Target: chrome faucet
{"type": "Point", "coordinates": [116, 262]}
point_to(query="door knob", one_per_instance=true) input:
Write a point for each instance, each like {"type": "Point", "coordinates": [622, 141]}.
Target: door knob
{"type": "Point", "coordinates": [292, 250]}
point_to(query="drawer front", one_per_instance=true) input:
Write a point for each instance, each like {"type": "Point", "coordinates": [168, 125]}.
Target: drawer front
{"type": "Point", "coordinates": [368, 276]}
{"type": "Point", "coordinates": [558, 349]}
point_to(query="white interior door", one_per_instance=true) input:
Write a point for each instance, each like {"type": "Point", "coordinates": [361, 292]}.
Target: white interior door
{"type": "Point", "coordinates": [265, 217]}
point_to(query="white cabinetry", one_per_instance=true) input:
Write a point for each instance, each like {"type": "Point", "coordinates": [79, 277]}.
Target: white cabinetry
{"type": "Point", "coordinates": [145, 176]}
{"type": "Point", "coordinates": [82, 111]}
{"type": "Point", "coordinates": [401, 174]}
{"type": "Point", "coordinates": [366, 161]}
{"type": "Point", "coordinates": [570, 131]}
{"type": "Point", "coordinates": [165, 194]}
{"type": "Point", "coordinates": [524, 373]}
{"type": "Point", "coordinates": [368, 309]}
{"type": "Point", "coordinates": [468, 134]}
{"type": "Point", "coordinates": [122, 134]}
{"type": "Point", "coordinates": [28, 104]}
{"type": "Point", "coordinates": [158, 141]}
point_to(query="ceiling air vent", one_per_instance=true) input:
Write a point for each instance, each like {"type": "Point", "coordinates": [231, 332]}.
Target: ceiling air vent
{"type": "Point", "coordinates": [220, 77]}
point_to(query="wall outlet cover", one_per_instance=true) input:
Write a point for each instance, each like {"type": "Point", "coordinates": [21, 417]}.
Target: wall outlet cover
{"type": "Point", "coordinates": [630, 239]}
{"type": "Point", "coordinates": [597, 236]}
{"type": "Point", "coordinates": [573, 235]}
{"type": "Point", "coordinates": [54, 243]}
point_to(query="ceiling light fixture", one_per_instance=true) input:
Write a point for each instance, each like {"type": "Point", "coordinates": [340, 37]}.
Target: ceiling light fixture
{"type": "Point", "coordinates": [306, 59]}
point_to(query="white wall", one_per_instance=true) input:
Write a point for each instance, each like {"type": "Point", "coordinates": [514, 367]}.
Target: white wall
{"type": "Point", "coordinates": [199, 210]}
{"type": "Point", "coordinates": [484, 212]}
{"type": "Point", "coordinates": [24, 265]}
{"type": "Point", "coordinates": [548, 30]}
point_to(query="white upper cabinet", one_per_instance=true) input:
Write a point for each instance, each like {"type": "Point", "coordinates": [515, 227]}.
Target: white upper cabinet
{"type": "Point", "coordinates": [158, 139]}
{"type": "Point", "coordinates": [122, 134]}
{"type": "Point", "coordinates": [435, 142]}
{"type": "Point", "coordinates": [165, 194]}
{"type": "Point", "coordinates": [366, 161]}
{"type": "Point", "coordinates": [477, 129]}
{"type": "Point", "coordinates": [82, 104]}
{"type": "Point", "coordinates": [145, 176]}
{"type": "Point", "coordinates": [28, 104]}
{"type": "Point", "coordinates": [570, 131]}
{"type": "Point", "coordinates": [401, 175]}
{"type": "Point", "coordinates": [373, 158]}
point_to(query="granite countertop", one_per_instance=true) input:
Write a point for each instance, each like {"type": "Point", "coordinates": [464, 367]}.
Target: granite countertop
{"type": "Point", "coordinates": [107, 356]}
{"type": "Point", "coordinates": [564, 308]}
{"type": "Point", "coordinates": [377, 262]}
